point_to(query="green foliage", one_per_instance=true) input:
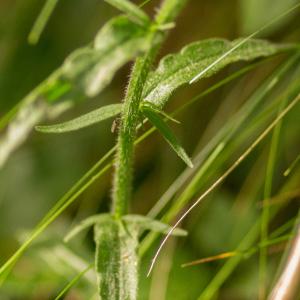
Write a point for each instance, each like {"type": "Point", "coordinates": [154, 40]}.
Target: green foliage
{"type": "Point", "coordinates": [178, 69]}
{"type": "Point", "coordinates": [96, 116]}
{"type": "Point", "coordinates": [85, 73]}
{"type": "Point", "coordinates": [132, 11]}
{"type": "Point", "coordinates": [166, 132]}
{"type": "Point", "coordinates": [117, 251]}
{"type": "Point", "coordinates": [122, 238]}
{"type": "Point", "coordinates": [92, 68]}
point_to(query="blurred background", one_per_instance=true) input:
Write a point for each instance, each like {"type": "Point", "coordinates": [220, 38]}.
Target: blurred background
{"type": "Point", "coordinates": [46, 166]}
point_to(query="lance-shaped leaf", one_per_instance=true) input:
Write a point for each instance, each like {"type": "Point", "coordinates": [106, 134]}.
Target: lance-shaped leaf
{"type": "Point", "coordinates": [146, 223]}
{"type": "Point", "coordinates": [119, 41]}
{"type": "Point", "coordinates": [132, 11]}
{"type": "Point", "coordinates": [166, 132]}
{"type": "Point", "coordinates": [93, 117]}
{"type": "Point", "coordinates": [177, 69]}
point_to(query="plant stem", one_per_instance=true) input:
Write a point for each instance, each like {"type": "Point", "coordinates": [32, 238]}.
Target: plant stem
{"type": "Point", "coordinates": [122, 184]}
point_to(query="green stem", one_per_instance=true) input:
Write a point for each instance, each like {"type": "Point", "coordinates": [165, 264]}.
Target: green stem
{"type": "Point", "coordinates": [122, 184]}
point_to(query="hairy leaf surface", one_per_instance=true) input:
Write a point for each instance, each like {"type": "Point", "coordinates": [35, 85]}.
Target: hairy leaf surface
{"type": "Point", "coordinates": [93, 117]}
{"type": "Point", "coordinates": [177, 69]}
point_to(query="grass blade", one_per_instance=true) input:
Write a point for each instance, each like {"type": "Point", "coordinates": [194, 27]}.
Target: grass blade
{"type": "Point", "coordinates": [41, 21]}
{"type": "Point", "coordinates": [226, 174]}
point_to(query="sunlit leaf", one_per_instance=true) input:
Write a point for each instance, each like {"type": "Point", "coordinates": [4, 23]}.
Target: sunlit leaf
{"type": "Point", "coordinates": [177, 69]}
{"type": "Point", "coordinates": [166, 132]}
{"type": "Point", "coordinates": [85, 120]}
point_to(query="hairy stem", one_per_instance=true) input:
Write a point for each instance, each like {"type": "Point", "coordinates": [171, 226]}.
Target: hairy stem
{"type": "Point", "coordinates": [122, 184]}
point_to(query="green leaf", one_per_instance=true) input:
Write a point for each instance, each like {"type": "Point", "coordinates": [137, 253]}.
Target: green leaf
{"type": "Point", "coordinates": [116, 260]}
{"type": "Point", "coordinates": [86, 72]}
{"type": "Point", "coordinates": [164, 129]}
{"type": "Point", "coordinates": [146, 223]}
{"type": "Point", "coordinates": [132, 10]}
{"type": "Point", "coordinates": [85, 224]}
{"type": "Point", "coordinates": [155, 109]}
{"type": "Point", "coordinates": [85, 120]}
{"type": "Point", "coordinates": [177, 69]}
{"type": "Point", "coordinates": [92, 68]}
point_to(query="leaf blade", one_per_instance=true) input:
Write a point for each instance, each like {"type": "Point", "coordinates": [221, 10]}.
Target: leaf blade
{"type": "Point", "coordinates": [175, 70]}
{"type": "Point", "coordinates": [166, 132]}
{"type": "Point", "coordinates": [132, 10]}
{"type": "Point", "coordinates": [91, 118]}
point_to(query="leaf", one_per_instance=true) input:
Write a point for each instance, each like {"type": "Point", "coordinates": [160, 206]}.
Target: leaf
{"type": "Point", "coordinates": [116, 260]}
{"type": "Point", "coordinates": [86, 72]}
{"type": "Point", "coordinates": [177, 69]}
{"type": "Point", "coordinates": [132, 10]}
{"type": "Point", "coordinates": [146, 223]}
{"type": "Point", "coordinates": [92, 68]}
{"type": "Point", "coordinates": [164, 129]}
{"type": "Point", "coordinates": [156, 110]}
{"type": "Point", "coordinates": [93, 117]}
{"type": "Point", "coordinates": [88, 222]}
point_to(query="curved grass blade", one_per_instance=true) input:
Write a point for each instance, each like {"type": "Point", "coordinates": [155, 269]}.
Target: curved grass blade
{"type": "Point", "coordinates": [227, 131]}
{"type": "Point", "coordinates": [166, 132]}
{"type": "Point", "coordinates": [132, 11]}
{"type": "Point", "coordinates": [73, 282]}
{"type": "Point", "coordinates": [226, 174]}
{"type": "Point", "coordinates": [250, 237]}
{"type": "Point", "coordinates": [41, 21]}
{"type": "Point", "coordinates": [96, 116]}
